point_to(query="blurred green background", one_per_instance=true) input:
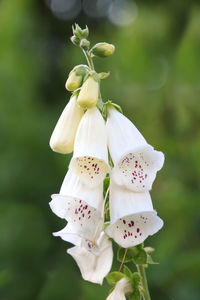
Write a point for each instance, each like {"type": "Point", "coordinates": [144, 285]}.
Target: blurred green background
{"type": "Point", "coordinates": [155, 77]}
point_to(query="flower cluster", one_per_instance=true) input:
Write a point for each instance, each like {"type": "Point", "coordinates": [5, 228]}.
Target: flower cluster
{"type": "Point", "coordinates": [103, 146]}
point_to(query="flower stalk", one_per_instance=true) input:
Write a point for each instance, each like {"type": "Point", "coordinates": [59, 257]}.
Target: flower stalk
{"type": "Point", "coordinates": [145, 289]}
{"type": "Point", "coordinates": [89, 59]}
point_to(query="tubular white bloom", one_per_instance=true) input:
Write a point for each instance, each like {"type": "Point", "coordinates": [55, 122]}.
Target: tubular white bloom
{"type": "Point", "coordinates": [122, 287]}
{"type": "Point", "coordinates": [90, 159]}
{"type": "Point", "coordinates": [81, 207]}
{"type": "Point", "coordinates": [63, 136]}
{"type": "Point", "coordinates": [132, 217]}
{"type": "Point", "coordinates": [94, 268]}
{"type": "Point", "coordinates": [135, 162]}
{"type": "Point", "coordinates": [73, 187]}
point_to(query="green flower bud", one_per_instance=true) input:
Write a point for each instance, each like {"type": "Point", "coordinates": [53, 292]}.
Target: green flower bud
{"type": "Point", "coordinates": [80, 33]}
{"type": "Point", "coordinates": [75, 40]}
{"type": "Point", "coordinates": [103, 49]}
{"type": "Point", "coordinates": [89, 93]}
{"type": "Point", "coordinates": [85, 44]}
{"type": "Point", "coordinates": [76, 77]}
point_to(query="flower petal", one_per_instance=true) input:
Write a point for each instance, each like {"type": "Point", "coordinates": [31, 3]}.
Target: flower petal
{"type": "Point", "coordinates": [90, 159]}
{"type": "Point", "coordinates": [94, 268]}
{"type": "Point", "coordinates": [132, 217]}
{"type": "Point", "coordinates": [122, 287]}
{"type": "Point", "coordinates": [86, 221]}
{"type": "Point", "coordinates": [63, 136]}
{"type": "Point", "coordinates": [137, 169]}
{"type": "Point", "coordinates": [68, 234]}
{"type": "Point", "coordinates": [72, 186]}
{"type": "Point", "coordinates": [136, 163]}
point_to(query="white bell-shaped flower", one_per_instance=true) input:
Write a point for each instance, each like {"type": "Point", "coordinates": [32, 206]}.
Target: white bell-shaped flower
{"type": "Point", "coordinates": [94, 268]}
{"type": "Point", "coordinates": [82, 207]}
{"type": "Point", "coordinates": [132, 217]}
{"type": "Point", "coordinates": [90, 158]}
{"type": "Point", "coordinates": [63, 136]}
{"type": "Point", "coordinates": [122, 287]}
{"type": "Point", "coordinates": [135, 162]}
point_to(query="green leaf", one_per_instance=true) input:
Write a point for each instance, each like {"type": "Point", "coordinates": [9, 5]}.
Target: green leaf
{"type": "Point", "coordinates": [114, 277]}
{"type": "Point", "coordinates": [127, 272]}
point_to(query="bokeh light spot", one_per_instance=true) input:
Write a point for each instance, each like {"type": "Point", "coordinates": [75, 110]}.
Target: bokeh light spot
{"type": "Point", "coordinates": [65, 9]}
{"type": "Point", "coordinates": [122, 12]}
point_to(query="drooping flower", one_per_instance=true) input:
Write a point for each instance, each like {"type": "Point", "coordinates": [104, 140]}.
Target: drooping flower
{"type": "Point", "coordinates": [132, 216]}
{"type": "Point", "coordinates": [63, 136]}
{"type": "Point", "coordinates": [94, 268]}
{"type": "Point", "coordinates": [135, 162]}
{"type": "Point", "coordinates": [90, 158]}
{"type": "Point", "coordinates": [122, 287]}
{"type": "Point", "coordinates": [82, 207]}
{"type": "Point", "coordinates": [89, 93]}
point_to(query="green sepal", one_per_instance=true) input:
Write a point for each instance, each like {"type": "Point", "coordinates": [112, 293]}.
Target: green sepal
{"type": "Point", "coordinates": [80, 33]}
{"type": "Point", "coordinates": [103, 75]}
{"type": "Point", "coordinates": [100, 104]}
{"type": "Point", "coordinates": [80, 70]}
{"type": "Point", "coordinates": [140, 258]}
{"type": "Point", "coordinates": [105, 225]}
{"type": "Point", "coordinates": [135, 295]}
{"type": "Point", "coordinates": [106, 184]}
{"type": "Point", "coordinates": [136, 254]}
{"type": "Point", "coordinates": [107, 214]}
{"type": "Point", "coordinates": [85, 44]}
{"type": "Point", "coordinates": [136, 281]}
{"type": "Point", "coordinates": [110, 104]}
{"type": "Point", "coordinates": [114, 277]}
{"type": "Point", "coordinates": [149, 249]}
{"type": "Point", "coordinates": [75, 40]}
{"type": "Point", "coordinates": [120, 255]}
{"type": "Point", "coordinates": [150, 260]}
{"type": "Point", "coordinates": [111, 290]}
{"type": "Point", "coordinates": [127, 272]}
{"type": "Point", "coordinates": [76, 92]}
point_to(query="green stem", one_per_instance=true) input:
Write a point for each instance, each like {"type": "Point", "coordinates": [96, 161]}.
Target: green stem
{"type": "Point", "coordinates": [141, 271]}
{"type": "Point", "coordinates": [89, 59]}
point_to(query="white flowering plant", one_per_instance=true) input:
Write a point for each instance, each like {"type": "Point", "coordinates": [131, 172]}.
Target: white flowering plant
{"type": "Point", "coordinates": [105, 194]}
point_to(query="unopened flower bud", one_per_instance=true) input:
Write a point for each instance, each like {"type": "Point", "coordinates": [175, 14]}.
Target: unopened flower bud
{"type": "Point", "coordinates": [103, 49]}
{"type": "Point", "coordinates": [75, 78]}
{"type": "Point", "coordinates": [89, 93]}
{"type": "Point", "coordinates": [63, 136]}
{"type": "Point", "coordinates": [85, 44]}
{"type": "Point", "coordinates": [75, 40]}
{"type": "Point", "coordinates": [80, 33]}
